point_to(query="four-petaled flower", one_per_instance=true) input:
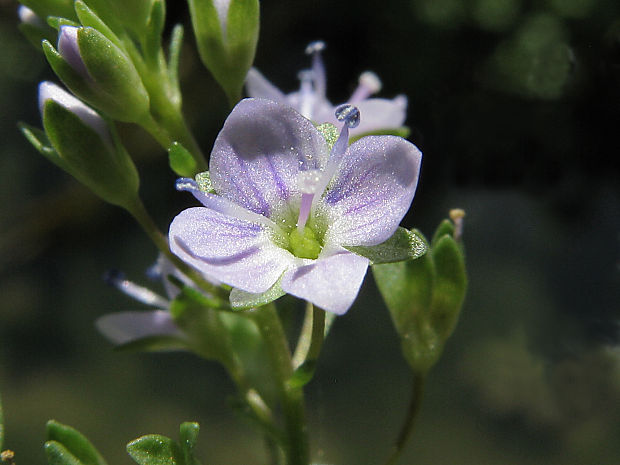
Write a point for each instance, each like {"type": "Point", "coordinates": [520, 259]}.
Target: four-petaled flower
{"type": "Point", "coordinates": [285, 206]}
{"type": "Point", "coordinates": [311, 100]}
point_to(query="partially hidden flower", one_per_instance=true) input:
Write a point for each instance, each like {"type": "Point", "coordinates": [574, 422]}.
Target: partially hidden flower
{"type": "Point", "coordinates": [125, 327]}
{"type": "Point", "coordinates": [285, 206]}
{"type": "Point", "coordinates": [311, 99]}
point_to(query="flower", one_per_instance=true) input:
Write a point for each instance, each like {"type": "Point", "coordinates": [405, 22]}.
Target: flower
{"type": "Point", "coordinates": [285, 206]}
{"type": "Point", "coordinates": [124, 327]}
{"type": "Point", "coordinates": [311, 100]}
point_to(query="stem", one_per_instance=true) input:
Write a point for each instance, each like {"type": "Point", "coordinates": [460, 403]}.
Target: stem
{"type": "Point", "coordinates": [137, 210]}
{"type": "Point", "coordinates": [291, 399]}
{"type": "Point", "coordinates": [311, 337]}
{"type": "Point", "coordinates": [407, 428]}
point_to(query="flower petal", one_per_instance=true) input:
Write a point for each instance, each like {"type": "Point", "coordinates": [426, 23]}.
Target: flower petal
{"type": "Point", "coordinates": [259, 86]}
{"type": "Point", "coordinates": [124, 327]}
{"type": "Point", "coordinates": [238, 252]}
{"type": "Point", "coordinates": [380, 113]}
{"type": "Point", "coordinates": [259, 152]}
{"type": "Point", "coordinates": [331, 283]}
{"type": "Point", "coordinates": [372, 190]}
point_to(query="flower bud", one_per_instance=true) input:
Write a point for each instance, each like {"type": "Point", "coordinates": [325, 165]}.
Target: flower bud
{"type": "Point", "coordinates": [226, 32]}
{"type": "Point", "coordinates": [98, 72]}
{"type": "Point", "coordinates": [45, 8]}
{"type": "Point", "coordinates": [82, 144]}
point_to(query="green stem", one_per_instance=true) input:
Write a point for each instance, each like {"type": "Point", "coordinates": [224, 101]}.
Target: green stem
{"type": "Point", "coordinates": [311, 336]}
{"type": "Point", "coordinates": [406, 430]}
{"type": "Point", "coordinates": [137, 210]}
{"type": "Point", "coordinates": [291, 398]}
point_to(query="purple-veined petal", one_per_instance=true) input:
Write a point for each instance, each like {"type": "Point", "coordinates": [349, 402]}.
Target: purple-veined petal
{"type": "Point", "coordinates": [332, 283]}
{"type": "Point", "coordinates": [124, 327]}
{"type": "Point", "coordinates": [239, 253]}
{"type": "Point", "coordinates": [258, 153]}
{"type": "Point", "coordinates": [259, 86]}
{"type": "Point", "coordinates": [372, 191]}
{"type": "Point", "coordinates": [380, 113]}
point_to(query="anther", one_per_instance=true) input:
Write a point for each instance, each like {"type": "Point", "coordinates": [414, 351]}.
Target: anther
{"type": "Point", "coordinates": [349, 115]}
{"type": "Point", "coordinates": [315, 47]}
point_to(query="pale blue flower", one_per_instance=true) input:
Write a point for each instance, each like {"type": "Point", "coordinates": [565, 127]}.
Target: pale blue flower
{"type": "Point", "coordinates": [124, 327]}
{"type": "Point", "coordinates": [311, 99]}
{"type": "Point", "coordinates": [285, 206]}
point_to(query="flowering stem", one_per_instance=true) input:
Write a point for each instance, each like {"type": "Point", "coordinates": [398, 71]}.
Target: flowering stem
{"type": "Point", "coordinates": [138, 211]}
{"type": "Point", "coordinates": [407, 428]}
{"type": "Point", "coordinates": [291, 398]}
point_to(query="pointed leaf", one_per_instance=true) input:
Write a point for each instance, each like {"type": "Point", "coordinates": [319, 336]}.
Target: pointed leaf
{"type": "Point", "coordinates": [74, 442]}
{"type": "Point", "coordinates": [403, 245]}
{"type": "Point", "coordinates": [89, 18]}
{"type": "Point", "coordinates": [39, 141]}
{"type": "Point", "coordinates": [154, 29]}
{"type": "Point", "coordinates": [181, 161]}
{"type": "Point", "coordinates": [57, 22]}
{"type": "Point", "coordinates": [302, 375]}
{"type": "Point", "coordinates": [155, 449]}
{"type": "Point", "coordinates": [57, 454]}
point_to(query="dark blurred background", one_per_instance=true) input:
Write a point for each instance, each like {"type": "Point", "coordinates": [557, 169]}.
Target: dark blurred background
{"type": "Point", "coordinates": [516, 106]}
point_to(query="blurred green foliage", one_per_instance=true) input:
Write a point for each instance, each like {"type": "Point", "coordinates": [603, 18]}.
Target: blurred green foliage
{"type": "Point", "coordinates": [515, 105]}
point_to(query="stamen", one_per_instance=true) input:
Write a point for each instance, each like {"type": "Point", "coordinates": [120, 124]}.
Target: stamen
{"type": "Point", "coordinates": [141, 294]}
{"type": "Point", "coordinates": [308, 182]}
{"type": "Point", "coordinates": [369, 84]}
{"type": "Point", "coordinates": [318, 68]}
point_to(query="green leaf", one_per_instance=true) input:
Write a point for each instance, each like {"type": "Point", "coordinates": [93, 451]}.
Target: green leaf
{"type": "Point", "coordinates": [403, 245]}
{"type": "Point", "coordinates": [57, 454]}
{"type": "Point", "coordinates": [176, 44]}
{"type": "Point", "coordinates": [153, 344]}
{"type": "Point", "coordinates": [450, 285]}
{"type": "Point", "coordinates": [73, 442]}
{"type": "Point", "coordinates": [402, 131]}
{"type": "Point", "coordinates": [181, 161]}
{"type": "Point", "coordinates": [188, 433]}
{"type": "Point", "coordinates": [155, 449]}
{"type": "Point", "coordinates": [241, 300]}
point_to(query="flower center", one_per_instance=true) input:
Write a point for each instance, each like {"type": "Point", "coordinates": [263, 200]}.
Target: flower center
{"type": "Point", "coordinates": [304, 244]}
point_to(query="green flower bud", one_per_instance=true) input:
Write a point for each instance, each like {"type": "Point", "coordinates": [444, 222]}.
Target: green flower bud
{"type": "Point", "coordinates": [97, 71]}
{"type": "Point", "coordinates": [79, 141]}
{"type": "Point", "coordinates": [226, 32]}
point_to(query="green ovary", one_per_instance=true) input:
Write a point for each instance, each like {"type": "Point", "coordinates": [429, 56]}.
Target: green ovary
{"type": "Point", "coordinates": [304, 245]}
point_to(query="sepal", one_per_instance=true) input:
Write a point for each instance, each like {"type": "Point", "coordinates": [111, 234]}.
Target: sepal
{"type": "Point", "coordinates": [425, 296]}
{"type": "Point", "coordinates": [241, 300]}
{"type": "Point", "coordinates": [403, 245]}
{"type": "Point", "coordinates": [156, 449]}
{"type": "Point", "coordinates": [104, 167]}
{"type": "Point", "coordinates": [67, 446]}
{"type": "Point", "coordinates": [226, 33]}
{"type": "Point", "coordinates": [159, 343]}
